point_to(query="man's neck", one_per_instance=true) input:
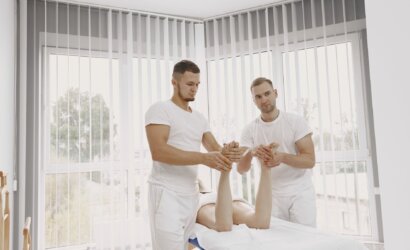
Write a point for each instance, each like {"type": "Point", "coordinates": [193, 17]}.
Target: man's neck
{"type": "Point", "coordinates": [181, 103]}
{"type": "Point", "coordinates": [271, 116]}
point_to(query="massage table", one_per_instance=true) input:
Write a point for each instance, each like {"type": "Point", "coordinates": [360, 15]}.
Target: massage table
{"type": "Point", "coordinates": [281, 235]}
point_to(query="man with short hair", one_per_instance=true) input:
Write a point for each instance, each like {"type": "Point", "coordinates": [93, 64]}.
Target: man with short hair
{"type": "Point", "coordinates": [175, 132]}
{"type": "Point", "coordinates": [293, 195]}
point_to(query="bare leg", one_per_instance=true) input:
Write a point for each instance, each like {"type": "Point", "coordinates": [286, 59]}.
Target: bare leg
{"type": "Point", "coordinates": [218, 216]}
{"type": "Point", "coordinates": [223, 206]}
{"type": "Point", "coordinates": [260, 217]}
{"type": "Point", "coordinates": [263, 203]}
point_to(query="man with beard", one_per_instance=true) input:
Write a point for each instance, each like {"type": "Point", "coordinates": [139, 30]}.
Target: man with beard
{"type": "Point", "coordinates": [175, 133]}
{"type": "Point", "coordinates": [293, 195]}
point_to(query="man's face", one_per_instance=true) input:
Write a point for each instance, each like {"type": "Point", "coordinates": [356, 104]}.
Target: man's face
{"type": "Point", "coordinates": [186, 85]}
{"type": "Point", "coordinates": [264, 96]}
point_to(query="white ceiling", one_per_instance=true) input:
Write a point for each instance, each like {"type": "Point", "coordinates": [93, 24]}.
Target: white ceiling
{"type": "Point", "coordinates": [198, 9]}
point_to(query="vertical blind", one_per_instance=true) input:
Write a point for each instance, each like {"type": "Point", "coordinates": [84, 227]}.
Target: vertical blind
{"type": "Point", "coordinates": [311, 51]}
{"type": "Point", "coordinates": [94, 72]}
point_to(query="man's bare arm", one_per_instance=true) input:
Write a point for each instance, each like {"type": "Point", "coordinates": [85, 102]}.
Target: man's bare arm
{"type": "Point", "coordinates": [305, 158]}
{"type": "Point", "coordinates": [210, 143]}
{"type": "Point", "coordinates": [161, 151]}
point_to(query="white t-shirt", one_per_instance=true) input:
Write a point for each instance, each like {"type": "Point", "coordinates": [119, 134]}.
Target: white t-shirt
{"type": "Point", "coordinates": [285, 130]}
{"type": "Point", "coordinates": [186, 132]}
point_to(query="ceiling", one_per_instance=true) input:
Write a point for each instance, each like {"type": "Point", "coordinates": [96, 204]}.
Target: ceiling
{"type": "Point", "coordinates": [197, 9]}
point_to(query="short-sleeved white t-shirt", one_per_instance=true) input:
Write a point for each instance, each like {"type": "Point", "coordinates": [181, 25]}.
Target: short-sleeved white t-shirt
{"type": "Point", "coordinates": [186, 132]}
{"type": "Point", "coordinates": [285, 130]}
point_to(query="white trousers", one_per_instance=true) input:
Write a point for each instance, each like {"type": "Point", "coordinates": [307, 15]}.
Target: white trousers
{"type": "Point", "coordinates": [299, 208]}
{"type": "Point", "coordinates": [172, 217]}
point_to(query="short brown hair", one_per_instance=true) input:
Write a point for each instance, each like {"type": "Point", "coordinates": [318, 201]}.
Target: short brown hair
{"type": "Point", "coordinates": [258, 81]}
{"type": "Point", "coordinates": [184, 66]}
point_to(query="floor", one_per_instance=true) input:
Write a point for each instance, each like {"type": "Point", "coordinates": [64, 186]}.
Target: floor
{"type": "Point", "coordinates": [374, 246]}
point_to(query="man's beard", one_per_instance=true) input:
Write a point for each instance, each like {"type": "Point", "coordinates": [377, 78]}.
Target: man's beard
{"type": "Point", "coordinates": [268, 109]}
{"type": "Point", "coordinates": [185, 98]}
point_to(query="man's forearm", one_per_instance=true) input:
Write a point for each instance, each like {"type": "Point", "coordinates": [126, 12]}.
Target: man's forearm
{"type": "Point", "coordinates": [298, 161]}
{"type": "Point", "coordinates": [172, 155]}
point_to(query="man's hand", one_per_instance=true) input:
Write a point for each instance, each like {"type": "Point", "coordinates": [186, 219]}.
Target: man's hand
{"type": "Point", "coordinates": [275, 161]}
{"type": "Point", "coordinates": [232, 151]}
{"type": "Point", "coordinates": [263, 153]}
{"type": "Point", "coordinates": [268, 155]}
{"type": "Point", "coordinates": [217, 161]}
{"type": "Point", "coordinates": [277, 157]}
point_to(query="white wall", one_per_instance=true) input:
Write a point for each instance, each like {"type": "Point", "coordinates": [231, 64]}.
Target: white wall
{"type": "Point", "coordinates": [7, 61]}
{"type": "Point", "coordinates": [389, 59]}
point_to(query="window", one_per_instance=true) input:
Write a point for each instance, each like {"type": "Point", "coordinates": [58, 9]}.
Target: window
{"type": "Point", "coordinates": [320, 83]}
{"type": "Point", "coordinates": [89, 188]}
{"type": "Point", "coordinates": [97, 156]}
{"type": "Point", "coordinates": [83, 177]}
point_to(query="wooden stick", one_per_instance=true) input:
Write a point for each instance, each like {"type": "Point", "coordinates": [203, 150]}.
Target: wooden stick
{"type": "Point", "coordinates": [26, 234]}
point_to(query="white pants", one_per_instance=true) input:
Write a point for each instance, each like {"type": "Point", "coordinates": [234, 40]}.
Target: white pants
{"type": "Point", "coordinates": [299, 208]}
{"type": "Point", "coordinates": [172, 217]}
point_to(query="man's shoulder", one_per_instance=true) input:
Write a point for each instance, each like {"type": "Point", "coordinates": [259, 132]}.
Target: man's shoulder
{"type": "Point", "coordinates": [158, 113]}
{"type": "Point", "coordinates": [160, 105]}
{"type": "Point", "coordinates": [297, 123]}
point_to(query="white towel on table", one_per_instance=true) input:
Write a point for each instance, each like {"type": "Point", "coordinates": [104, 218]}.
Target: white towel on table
{"type": "Point", "coordinates": [282, 235]}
